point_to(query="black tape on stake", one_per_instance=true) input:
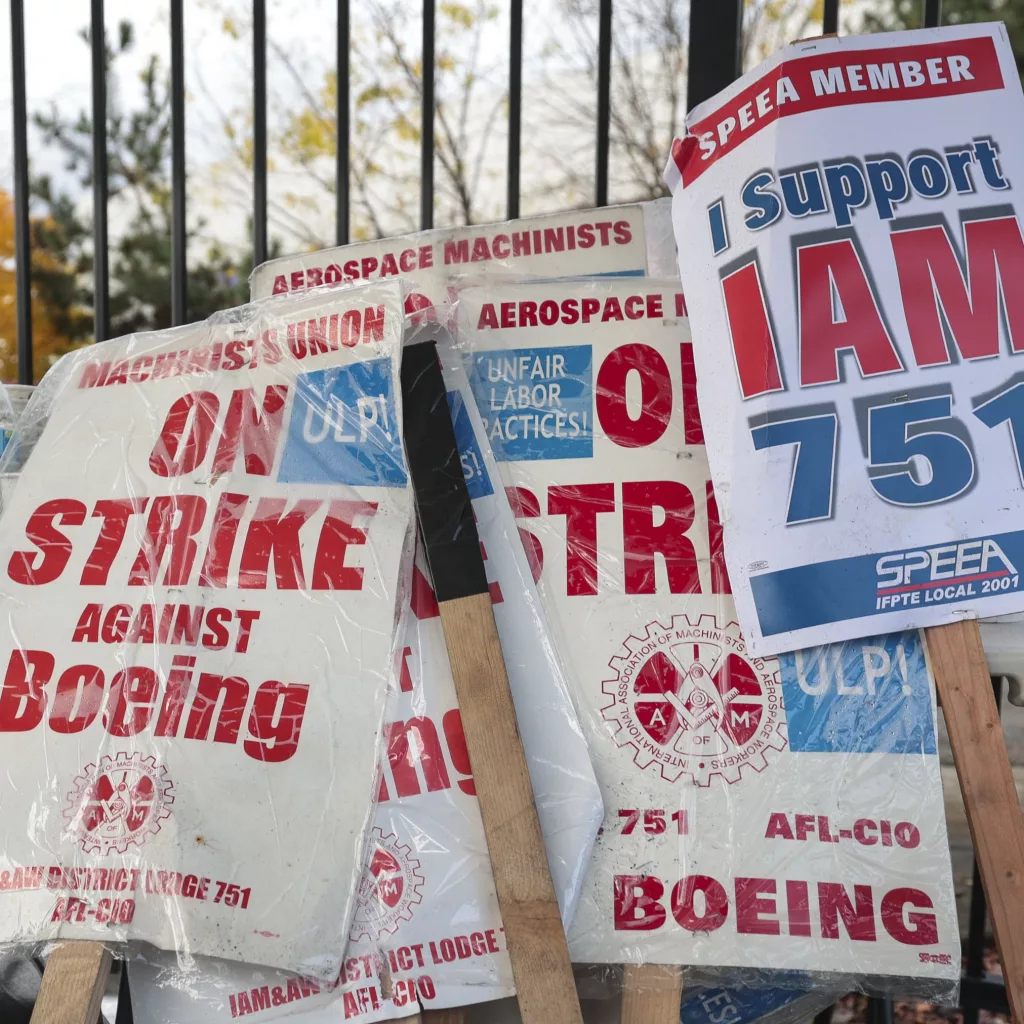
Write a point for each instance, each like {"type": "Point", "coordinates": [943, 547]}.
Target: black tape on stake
{"type": "Point", "coordinates": [442, 500]}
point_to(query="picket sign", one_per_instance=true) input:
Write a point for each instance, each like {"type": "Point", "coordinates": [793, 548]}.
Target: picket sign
{"type": "Point", "coordinates": [906, 328]}
{"type": "Point", "coordinates": [761, 815]}
{"type": "Point", "coordinates": [426, 905]}
{"type": "Point", "coordinates": [633, 239]}
{"type": "Point", "coordinates": [533, 928]}
{"type": "Point", "coordinates": [978, 745]}
{"type": "Point", "coordinates": [621, 240]}
{"type": "Point", "coordinates": [154, 703]}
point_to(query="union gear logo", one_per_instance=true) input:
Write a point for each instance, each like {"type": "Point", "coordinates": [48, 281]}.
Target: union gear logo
{"type": "Point", "coordinates": [118, 802]}
{"type": "Point", "coordinates": [389, 888]}
{"type": "Point", "coordinates": [690, 699]}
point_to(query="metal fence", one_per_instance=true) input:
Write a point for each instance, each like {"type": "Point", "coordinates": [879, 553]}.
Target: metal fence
{"type": "Point", "coordinates": [715, 37]}
{"type": "Point", "coordinates": [715, 45]}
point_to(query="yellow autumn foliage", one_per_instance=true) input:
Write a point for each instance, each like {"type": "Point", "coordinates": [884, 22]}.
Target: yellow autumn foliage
{"type": "Point", "coordinates": [48, 342]}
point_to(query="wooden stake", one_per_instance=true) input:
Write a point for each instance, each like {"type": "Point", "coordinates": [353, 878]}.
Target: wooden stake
{"type": "Point", "coordinates": [651, 994]}
{"type": "Point", "coordinates": [455, 1015]}
{"type": "Point", "coordinates": [526, 895]}
{"type": "Point", "coordinates": [73, 984]}
{"type": "Point", "coordinates": [986, 781]}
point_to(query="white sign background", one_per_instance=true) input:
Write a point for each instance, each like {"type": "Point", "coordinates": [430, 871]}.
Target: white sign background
{"type": "Point", "coordinates": [229, 826]}
{"type": "Point", "coordinates": [853, 202]}
{"type": "Point", "coordinates": [687, 796]}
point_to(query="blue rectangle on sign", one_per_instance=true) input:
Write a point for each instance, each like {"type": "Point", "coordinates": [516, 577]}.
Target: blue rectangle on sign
{"type": "Point", "coordinates": [864, 696]}
{"type": "Point", "coordinates": [536, 403]}
{"type": "Point", "coordinates": [740, 1005]}
{"type": "Point", "coordinates": [958, 572]}
{"type": "Point", "coordinates": [342, 428]}
{"type": "Point", "coordinates": [478, 483]}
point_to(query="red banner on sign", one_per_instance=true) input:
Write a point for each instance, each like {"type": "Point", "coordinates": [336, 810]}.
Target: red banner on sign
{"type": "Point", "coordinates": [834, 79]}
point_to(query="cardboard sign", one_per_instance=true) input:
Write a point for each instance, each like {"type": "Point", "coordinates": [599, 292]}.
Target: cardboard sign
{"type": "Point", "coordinates": [200, 567]}
{"type": "Point", "coordinates": [850, 246]}
{"type": "Point", "coordinates": [426, 906]}
{"type": "Point", "coordinates": [633, 240]}
{"type": "Point", "coordinates": [759, 813]}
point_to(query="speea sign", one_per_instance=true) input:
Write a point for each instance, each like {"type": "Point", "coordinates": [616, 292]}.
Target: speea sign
{"type": "Point", "coordinates": [868, 387]}
{"type": "Point", "coordinates": [944, 573]}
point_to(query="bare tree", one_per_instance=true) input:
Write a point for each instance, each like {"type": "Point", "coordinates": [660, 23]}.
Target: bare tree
{"type": "Point", "coordinates": [650, 41]}
{"type": "Point", "coordinates": [650, 49]}
{"type": "Point", "coordinates": [768, 25]}
{"type": "Point", "coordinates": [469, 103]}
{"type": "Point", "coordinates": [649, 55]}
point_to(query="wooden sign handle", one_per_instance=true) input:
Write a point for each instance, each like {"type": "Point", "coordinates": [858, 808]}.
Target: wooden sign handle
{"type": "Point", "coordinates": [526, 894]}
{"type": "Point", "coordinates": [73, 984]}
{"type": "Point", "coordinates": [986, 781]}
{"type": "Point", "coordinates": [453, 1015]}
{"type": "Point", "coordinates": [522, 879]}
{"type": "Point", "coordinates": [651, 994]}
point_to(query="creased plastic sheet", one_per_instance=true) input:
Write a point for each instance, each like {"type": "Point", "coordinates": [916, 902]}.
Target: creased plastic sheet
{"type": "Point", "coordinates": [427, 929]}
{"type": "Point", "coordinates": [635, 239]}
{"type": "Point", "coordinates": [761, 814]}
{"type": "Point", "coordinates": [201, 563]}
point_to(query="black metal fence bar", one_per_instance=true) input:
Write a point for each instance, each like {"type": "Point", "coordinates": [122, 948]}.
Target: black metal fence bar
{"type": "Point", "coordinates": [124, 1013]}
{"type": "Point", "coordinates": [974, 968]}
{"type": "Point", "coordinates": [427, 128]}
{"type": "Point", "coordinates": [880, 1011]}
{"type": "Point", "coordinates": [259, 132]}
{"type": "Point", "coordinates": [604, 101]}
{"type": "Point", "coordinates": [22, 226]}
{"type": "Point", "coordinates": [179, 279]}
{"type": "Point", "coordinates": [977, 919]}
{"type": "Point", "coordinates": [100, 247]}
{"type": "Point", "coordinates": [932, 13]}
{"type": "Point", "coordinates": [341, 142]}
{"type": "Point", "coordinates": [716, 33]}
{"type": "Point", "coordinates": [515, 105]}
{"type": "Point", "coordinates": [830, 17]}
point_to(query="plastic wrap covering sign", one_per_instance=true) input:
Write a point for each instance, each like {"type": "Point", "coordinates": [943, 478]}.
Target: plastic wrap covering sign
{"type": "Point", "coordinates": [849, 258]}
{"type": "Point", "coordinates": [745, 1005]}
{"type": "Point", "coordinates": [759, 814]}
{"type": "Point", "coordinates": [630, 240]}
{"type": "Point", "coordinates": [200, 567]}
{"type": "Point", "coordinates": [427, 915]}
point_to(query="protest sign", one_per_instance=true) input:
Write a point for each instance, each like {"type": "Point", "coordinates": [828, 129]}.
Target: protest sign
{"type": "Point", "coordinates": [824, 762]}
{"type": "Point", "coordinates": [850, 243]}
{"type": "Point", "coordinates": [200, 567]}
{"type": "Point", "coordinates": [634, 240]}
{"type": "Point", "coordinates": [426, 906]}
